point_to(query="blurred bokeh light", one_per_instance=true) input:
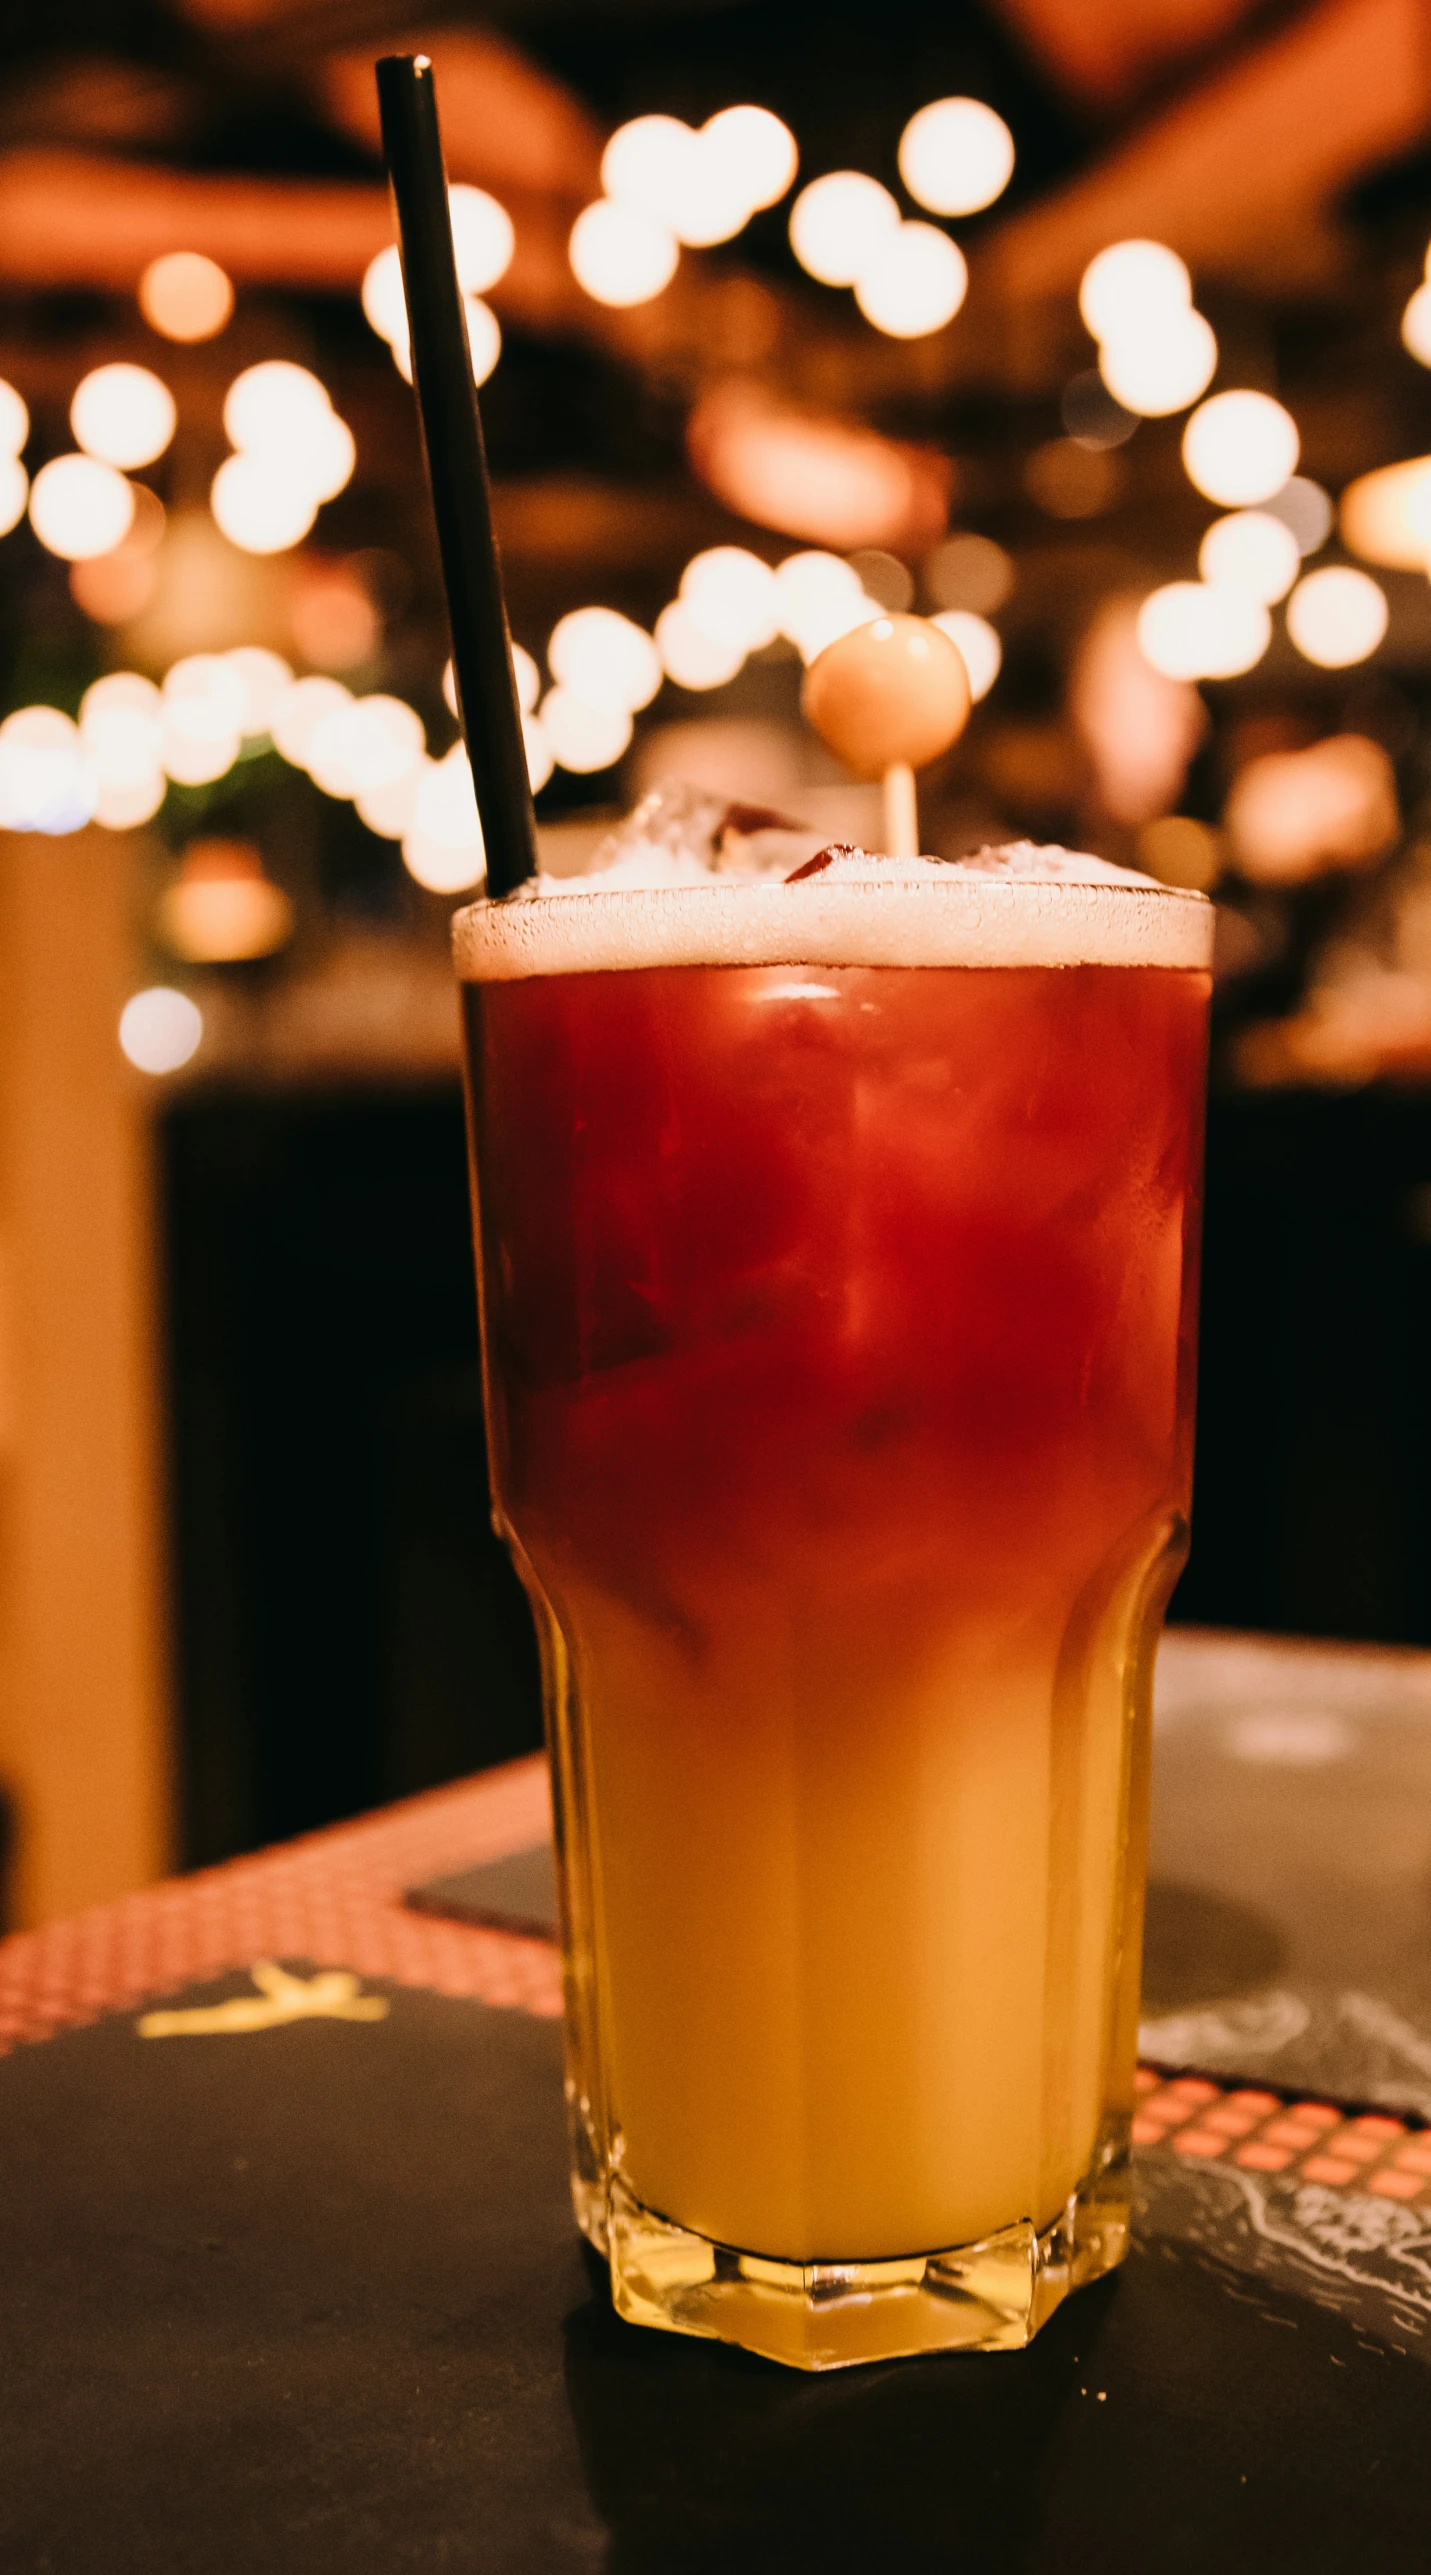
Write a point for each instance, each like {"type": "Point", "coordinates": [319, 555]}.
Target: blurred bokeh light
{"type": "Point", "coordinates": [221, 909]}
{"type": "Point", "coordinates": [124, 415]}
{"type": "Point", "coordinates": [1337, 616]}
{"type": "Point", "coordinates": [914, 283]}
{"type": "Point", "coordinates": [1195, 630]}
{"type": "Point", "coordinates": [185, 296]}
{"type": "Point", "coordinates": [1252, 551]}
{"type": "Point", "coordinates": [956, 156]}
{"type": "Point", "coordinates": [621, 256]}
{"type": "Point", "coordinates": [840, 225]}
{"type": "Point", "coordinates": [1295, 814]}
{"type": "Point", "coordinates": [1240, 448]}
{"type": "Point", "coordinates": [79, 507]}
{"type": "Point", "coordinates": [160, 1029]}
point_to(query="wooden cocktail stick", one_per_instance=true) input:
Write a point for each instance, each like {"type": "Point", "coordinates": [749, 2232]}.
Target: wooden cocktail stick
{"type": "Point", "coordinates": [901, 811]}
{"type": "Point", "coordinates": [886, 699]}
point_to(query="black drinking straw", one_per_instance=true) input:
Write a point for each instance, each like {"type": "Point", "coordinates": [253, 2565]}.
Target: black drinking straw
{"type": "Point", "coordinates": [457, 470]}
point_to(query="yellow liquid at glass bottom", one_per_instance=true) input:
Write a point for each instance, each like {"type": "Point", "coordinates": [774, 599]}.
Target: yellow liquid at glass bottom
{"type": "Point", "coordinates": [860, 1933]}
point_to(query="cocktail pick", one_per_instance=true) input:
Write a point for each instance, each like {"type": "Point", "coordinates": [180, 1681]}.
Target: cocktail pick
{"type": "Point", "coordinates": [886, 699]}
{"type": "Point", "coordinates": [457, 470]}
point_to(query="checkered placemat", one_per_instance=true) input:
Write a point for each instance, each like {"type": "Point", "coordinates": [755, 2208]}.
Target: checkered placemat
{"type": "Point", "coordinates": [1260, 2132]}
{"type": "Point", "coordinates": [335, 1897]}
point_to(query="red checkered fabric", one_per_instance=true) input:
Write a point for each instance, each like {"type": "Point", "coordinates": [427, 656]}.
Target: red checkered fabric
{"type": "Point", "coordinates": [334, 1897]}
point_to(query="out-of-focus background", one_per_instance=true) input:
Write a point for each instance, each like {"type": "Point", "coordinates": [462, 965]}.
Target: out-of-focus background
{"type": "Point", "coordinates": [1097, 327]}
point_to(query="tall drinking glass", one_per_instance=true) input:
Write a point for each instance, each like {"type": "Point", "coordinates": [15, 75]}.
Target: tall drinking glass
{"type": "Point", "coordinates": [837, 1246]}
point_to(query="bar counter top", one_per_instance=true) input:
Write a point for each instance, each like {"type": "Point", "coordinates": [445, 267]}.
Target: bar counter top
{"type": "Point", "coordinates": [292, 2283]}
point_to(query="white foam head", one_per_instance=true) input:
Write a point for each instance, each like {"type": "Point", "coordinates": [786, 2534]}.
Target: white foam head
{"type": "Point", "coordinates": [1019, 906]}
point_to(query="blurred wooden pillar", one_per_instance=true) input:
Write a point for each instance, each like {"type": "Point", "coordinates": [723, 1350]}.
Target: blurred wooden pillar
{"type": "Point", "coordinates": [84, 1760]}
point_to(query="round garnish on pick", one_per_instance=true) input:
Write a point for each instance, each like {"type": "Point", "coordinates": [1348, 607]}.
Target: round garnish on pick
{"type": "Point", "coordinates": [892, 694]}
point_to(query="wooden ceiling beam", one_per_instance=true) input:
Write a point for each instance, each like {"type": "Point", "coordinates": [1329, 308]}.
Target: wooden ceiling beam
{"type": "Point", "coordinates": [1241, 175]}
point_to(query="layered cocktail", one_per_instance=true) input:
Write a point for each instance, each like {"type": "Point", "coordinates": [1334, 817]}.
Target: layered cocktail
{"type": "Point", "coordinates": [838, 1247]}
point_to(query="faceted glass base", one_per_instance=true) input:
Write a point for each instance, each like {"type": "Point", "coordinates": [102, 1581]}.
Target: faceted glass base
{"type": "Point", "coordinates": [991, 2296]}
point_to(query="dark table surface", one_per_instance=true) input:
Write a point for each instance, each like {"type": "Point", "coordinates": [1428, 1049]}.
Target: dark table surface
{"type": "Point", "coordinates": [1289, 1925]}
{"type": "Point", "coordinates": [297, 2285]}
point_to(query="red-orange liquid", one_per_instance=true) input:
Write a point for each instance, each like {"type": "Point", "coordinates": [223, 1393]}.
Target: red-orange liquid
{"type": "Point", "coordinates": [839, 1337]}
